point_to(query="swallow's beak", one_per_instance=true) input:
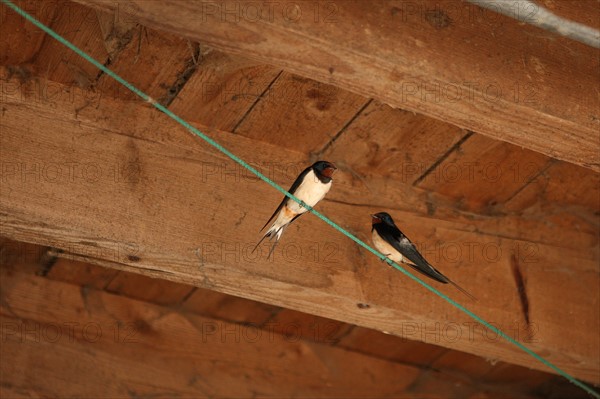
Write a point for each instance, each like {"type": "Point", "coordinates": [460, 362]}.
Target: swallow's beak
{"type": "Point", "coordinates": [375, 219]}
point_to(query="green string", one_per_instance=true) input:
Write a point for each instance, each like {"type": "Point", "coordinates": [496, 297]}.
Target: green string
{"type": "Point", "coordinates": [240, 161]}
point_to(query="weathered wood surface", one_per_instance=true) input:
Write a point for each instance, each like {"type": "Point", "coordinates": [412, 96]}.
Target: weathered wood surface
{"type": "Point", "coordinates": [117, 181]}
{"type": "Point", "coordinates": [377, 142]}
{"type": "Point", "coordinates": [443, 372]}
{"type": "Point", "coordinates": [300, 113]}
{"type": "Point", "coordinates": [484, 174]}
{"type": "Point", "coordinates": [224, 89]}
{"type": "Point", "coordinates": [20, 41]}
{"type": "Point", "coordinates": [119, 347]}
{"type": "Point", "coordinates": [452, 60]}
{"type": "Point", "coordinates": [80, 26]}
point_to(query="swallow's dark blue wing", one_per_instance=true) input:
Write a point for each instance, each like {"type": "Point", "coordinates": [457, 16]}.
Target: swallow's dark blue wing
{"type": "Point", "coordinates": [292, 189]}
{"type": "Point", "coordinates": [403, 245]}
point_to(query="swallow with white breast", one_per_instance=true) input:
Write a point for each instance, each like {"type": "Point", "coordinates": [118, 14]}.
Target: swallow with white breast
{"type": "Point", "coordinates": [391, 242]}
{"type": "Point", "coordinates": [310, 187]}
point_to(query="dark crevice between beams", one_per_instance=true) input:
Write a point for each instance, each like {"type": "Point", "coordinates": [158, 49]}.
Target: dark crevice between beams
{"type": "Point", "coordinates": [185, 298]}
{"type": "Point", "coordinates": [243, 118]}
{"type": "Point", "coordinates": [543, 170]}
{"type": "Point", "coordinates": [441, 159]}
{"type": "Point", "coordinates": [343, 129]}
{"type": "Point", "coordinates": [110, 280]}
{"type": "Point", "coordinates": [183, 77]}
{"type": "Point", "coordinates": [123, 41]}
{"type": "Point", "coordinates": [101, 72]}
{"type": "Point", "coordinates": [343, 335]}
{"type": "Point", "coordinates": [426, 370]}
{"type": "Point", "coordinates": [271, 317]}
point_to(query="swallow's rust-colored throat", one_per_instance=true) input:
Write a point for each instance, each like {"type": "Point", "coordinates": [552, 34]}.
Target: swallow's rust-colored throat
{"type": "Point", "coordinates": [328, 172]}
{"type": "Point", "coordinates": [375, 220]}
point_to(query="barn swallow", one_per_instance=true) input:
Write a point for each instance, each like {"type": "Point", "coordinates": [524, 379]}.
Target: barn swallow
{"type": "Point", "coordinates": [391, 242]}
{"type": "Point", "coordinates": [311, 186]}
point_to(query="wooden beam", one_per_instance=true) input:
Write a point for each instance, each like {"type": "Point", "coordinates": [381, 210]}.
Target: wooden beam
{"type": "Point", "coordinates": [120, 347]}
{"type": "Point", "coordinates": [442, 372]}
{"type": "Point", "coordinates": [463, 374]}
{"type": "Point", "coordinates": [446, 60]}
{"type": "Point", "coordinates": [120, 183]}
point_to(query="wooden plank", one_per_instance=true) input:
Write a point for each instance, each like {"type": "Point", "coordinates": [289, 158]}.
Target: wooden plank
{"type": "Point", "coordinates": [454, 367]}
{"type": "Point", "coordinates": [80, 26]}
{"type": "Point", "coordinates": [444, 60]}
{"type": "Point", "coordinates": [434, 381]}
{"type": "Point", "coordinates": [179, 217]}
{"type": "Point", "coordinates": [157, 63]}
{"type": "Point", "coordinates": [19, 40]}
{"type": "Point", "coordinates": [148, 289]}
{"type": "Point", "coordinates": [561, 186]}
{"type": "Point", "coordinates": [506, 374]}
{"type": "Point", "coordinates": [117, 32]}
{"type": "Point", "coordinates": [553, 387]}
{"type": "Point", "coordinates": [357, 339]}
{"type": "Point", "coordinates": [121, 347]}
{"type": "Point", "coordinates": [313, 113]}
{"type": "Point", "coordinates": [238, 310]}
{"type": "Point", "coordinates": [477, 372]}
{"type": "Point", "coordinates": [80, 273]}
{"type": "Point", "coordinates": [565, 193]}
{"type": "Point", "coordinates": [391, 347]}
{"type": "Point", "coordinates": [102, 275]}
{"type": "Point", "coordinates": [72, 269]}
{"type": "Point", "coordinates": [292, 323]}
{"type": "Point", "coordinates": [482, 174]}
{"type": "Point", "coordinates": [223, 89]}
{"type": "Point", "coordinates": [392, 143]}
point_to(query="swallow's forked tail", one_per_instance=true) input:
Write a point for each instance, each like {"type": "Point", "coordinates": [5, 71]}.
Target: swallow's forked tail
{"type": "Point", "coordinates": [274, 232]}
{"type": "Point", "coordinates": [461, 289]}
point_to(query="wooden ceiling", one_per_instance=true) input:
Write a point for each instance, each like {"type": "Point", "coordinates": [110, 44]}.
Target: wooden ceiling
{"type": "Point", "coordinates": [60, 315]}
{"type": "Point", "coordinates": [92, 171]}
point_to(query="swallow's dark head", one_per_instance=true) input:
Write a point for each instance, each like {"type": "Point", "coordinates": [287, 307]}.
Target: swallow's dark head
{"type": "Point", "coordinates": [324, 170]}
{"type": "Point", "coordinates": [382, 217]}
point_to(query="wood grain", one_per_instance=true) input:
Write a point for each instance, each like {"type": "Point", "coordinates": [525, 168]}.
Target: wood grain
{"type": "Point", "coordinates": [19, 40]}
{"type": "Point", "coordinates": [167, 62]}
{"type": "Point", "coordinates": [157, 201]}
{"type": "Point", "coordinates": [452, 61]}
{"type": "Point", "coordinates": [80, 273]}
{"type": "Point", "coordinates": [482, 174]}
{"type": "Point", "coordinates": [300, 114]}
{"type": "Point", "coordinates": [148, 289]}
{"type": "Point", "coordinates": [239, 310]}
{"type": "Point", "coordinates": [453, 370]}
{"type": "Point", "coordinates": [119, 347]}
{"type": "Point", "coordinates": [80, 26]}
{"type": "Point", "coordinates": [393, 143]}
{"type": "Point", "coordinates": [223, 89]}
